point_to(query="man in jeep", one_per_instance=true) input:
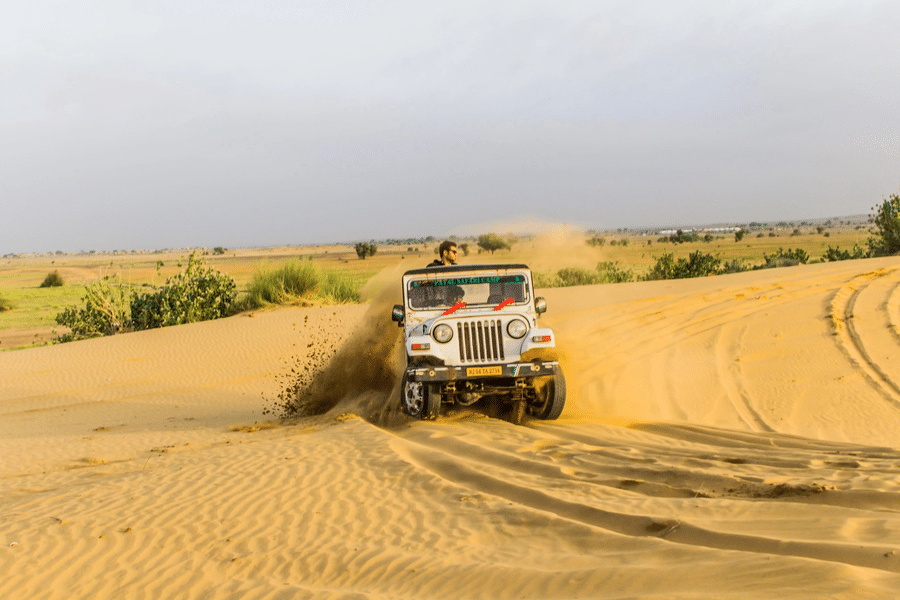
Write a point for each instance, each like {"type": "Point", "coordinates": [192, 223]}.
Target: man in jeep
{"type": "Point", "coordinates": [447, 250]}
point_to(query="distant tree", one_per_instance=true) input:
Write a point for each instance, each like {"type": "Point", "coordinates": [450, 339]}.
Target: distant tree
{"type": "Point", "coordinates": [218, 250]}
{"type": "Point", "coordinates": [886, 241]}
{"type": "Point", "coordinates": [465, 249]}
{"type": "Point", "coordinates": [491, 242]}
{"type": "Point", "coordinates": [364, 249]}
{"type": "Point", "coordinates": [739, 235]}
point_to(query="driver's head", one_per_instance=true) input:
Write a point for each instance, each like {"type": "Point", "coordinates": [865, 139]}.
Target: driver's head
{"type": "Point", "coordinates": [448, 252]}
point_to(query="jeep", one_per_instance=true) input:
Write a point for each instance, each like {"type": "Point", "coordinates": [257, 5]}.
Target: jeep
{"type": "Point", "coordinates": [471, 334]}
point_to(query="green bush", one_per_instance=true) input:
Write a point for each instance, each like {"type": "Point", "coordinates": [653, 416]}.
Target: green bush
{"type": "Point", "coordinates": [680, 237]}
{"type": "Point", "coordinates": [785, 258]}
{"type": "Point", "coordinates": [886, 241]}
{"type": "Point", "coordinates": [610, 273]}
{"type": "Point", "coordinates": [5, 304]}
{"type": "Point", "coordinates": [697, 264]}
{"type": "Point", "coordinates": [292, 280]}
{"type": "Point", "coordinates": [606, 272]}
{"type": "Point", "coordinates": [107, 310]}
{"type": "Point", "coordinates": [339, 287]}
{"type": "Point", "coordinates": [195, 294]}
{"type": "Point", "coordinates": [575, 276]}
{"type": "Point", "coordinates": [298, 279]}
{"type": "Point", "coordinates": [836, 254]}
{"type": "Point", "coordinates": [363, 250]}
{"type": "Point", "coordinates": [734, 266]}
{"type": "Point", "coordinates": [53, 279]}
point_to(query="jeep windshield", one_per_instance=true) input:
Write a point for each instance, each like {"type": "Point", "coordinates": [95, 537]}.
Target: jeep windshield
{"type": "Point", "coordinates": [473, 290]}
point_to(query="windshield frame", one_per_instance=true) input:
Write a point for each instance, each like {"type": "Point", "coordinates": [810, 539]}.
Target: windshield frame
{"type": "Point", "coordinates": [469, 279]}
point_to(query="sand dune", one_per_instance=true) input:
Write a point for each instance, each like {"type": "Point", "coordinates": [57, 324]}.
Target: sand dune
{"type": "Point", "coordinates": [730, 437]}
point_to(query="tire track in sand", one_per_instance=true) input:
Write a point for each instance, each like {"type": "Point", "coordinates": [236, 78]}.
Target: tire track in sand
{"type": "Point", "coordinates": [732, 379]}
{"type": "Point", "coordinates": [499, 477]}
{"type": "Point", "coordinates": [865, 325]}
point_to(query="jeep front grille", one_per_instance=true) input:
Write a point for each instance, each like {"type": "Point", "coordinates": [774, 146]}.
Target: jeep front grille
{"type": "Point", "coordinates": [480, 341]}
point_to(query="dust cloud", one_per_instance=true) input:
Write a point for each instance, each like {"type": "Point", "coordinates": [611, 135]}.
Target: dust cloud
{"type": "Point", "coordinates": [363, 374]}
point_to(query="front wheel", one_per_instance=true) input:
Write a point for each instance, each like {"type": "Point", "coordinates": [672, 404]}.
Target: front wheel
{"type": "Point", "coordinates": [550, 397]}
{"type": "Point", "coordinates": [419, 400]}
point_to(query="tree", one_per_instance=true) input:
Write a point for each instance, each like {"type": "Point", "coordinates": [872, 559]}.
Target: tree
{"type": "Point", "coordinates": [363, 250]}
{"type": "Point", "coordinates": [492, 242]}
{"type": "Point", "coordinates": [739, 235]}
{"type": "Point", "coordinates": [886, 240]}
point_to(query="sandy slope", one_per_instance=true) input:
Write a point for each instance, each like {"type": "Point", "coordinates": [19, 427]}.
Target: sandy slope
{"type": "Point", "coordinates": [731, 437]}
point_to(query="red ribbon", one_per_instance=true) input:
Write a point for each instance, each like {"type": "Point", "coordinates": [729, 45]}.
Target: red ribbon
{"type": "Point", "coordinates": [504, 304]}
{"type": "Point", "coordinates": [454, 308]}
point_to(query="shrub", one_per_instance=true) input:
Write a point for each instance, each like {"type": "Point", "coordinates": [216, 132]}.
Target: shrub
{"type": "Point", "coordinates": [364, 249]}
{"type": "Point", "coordinates": [542, 279]}
{"type": "Point", "coordinates": [697, 264]}
{"type": "Point", "coordinates": [836, 254]}
{"type": "Point", "coordinates": [606, 272]}
{"type": "Point", "coordinates": [596, 241]}
{"type": "Point", "coordinates": [680, 237]}
{"type": "Point", "coordinates": [576, 276]}
{"type": "Point", "coordinates": [5, 304]}
{"type": "Point", "coordinates": [53, 279]}
{"type": "Point", "coordinates": [886, 240]}
{"type": "Point", "coordinates": [298, 279]}
{"type": "Point", "coordinates": [195, 294]}
{"type": "Point", "coordinates": [106, 311]}
{"type": "Point", "coordinates": [739, 235]}
{"type": "Point", "coordinates": [610, 273]}
{"type": "Point", "coordinates": [292, 280]}
{"type": "Point", "coordinates": [339, 287]}
{"type": "Point", "coordinates": [734, 266]}
{"type": "Point", "coordinates": [785, 258]}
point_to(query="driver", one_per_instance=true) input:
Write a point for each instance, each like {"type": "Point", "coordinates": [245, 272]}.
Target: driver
{"type": "Point", "coordinates": [447, 251]}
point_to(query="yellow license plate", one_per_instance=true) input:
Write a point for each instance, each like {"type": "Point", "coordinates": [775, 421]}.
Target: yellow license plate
{"type": "Point", "coordinates": [482, 371]}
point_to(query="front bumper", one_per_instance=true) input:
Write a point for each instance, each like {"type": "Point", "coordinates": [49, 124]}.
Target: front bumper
{"type": "Point", "coordinates": [475, 372]}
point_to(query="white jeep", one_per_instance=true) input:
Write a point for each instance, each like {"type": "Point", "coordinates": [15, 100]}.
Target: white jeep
{"type": "Point", "coordinates": [471, 334]}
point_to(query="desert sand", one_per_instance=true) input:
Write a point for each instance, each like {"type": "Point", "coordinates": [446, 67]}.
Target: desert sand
{"type": "Point", "coordinates": [727, 437]}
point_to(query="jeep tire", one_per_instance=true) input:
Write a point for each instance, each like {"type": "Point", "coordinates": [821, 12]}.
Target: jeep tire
{"type": "Point", "coordinates": [550, 397]}
{"type": "Point", "coordinates": [419, 400]}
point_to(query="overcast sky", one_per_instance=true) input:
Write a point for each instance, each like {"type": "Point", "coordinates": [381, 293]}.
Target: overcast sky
{"type": "Point", "coordinates": [141, 125]}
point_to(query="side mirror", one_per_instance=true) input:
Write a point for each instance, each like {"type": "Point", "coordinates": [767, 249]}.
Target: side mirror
{"type": "Point", "coordinates": [540, 305]}
{"type": "Point", "coordinates": [397, 314]}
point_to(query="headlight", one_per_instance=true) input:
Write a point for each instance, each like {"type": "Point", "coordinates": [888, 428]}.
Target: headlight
{"type": "Point", "coordinates": [443, 333]}
{"type": "Point", "coordinates": [517, 328]}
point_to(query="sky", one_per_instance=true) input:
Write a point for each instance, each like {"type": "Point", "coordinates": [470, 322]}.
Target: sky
{"type": "Point", "coordinates": [170, 124]}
